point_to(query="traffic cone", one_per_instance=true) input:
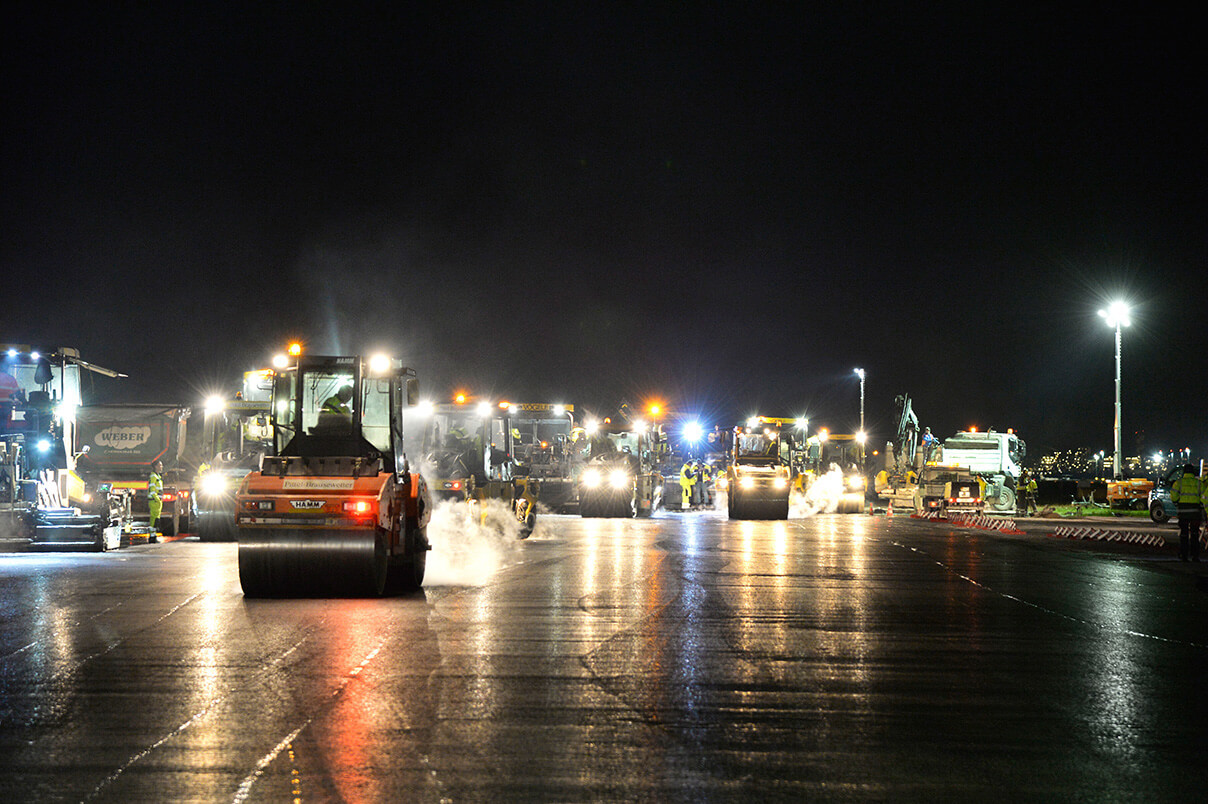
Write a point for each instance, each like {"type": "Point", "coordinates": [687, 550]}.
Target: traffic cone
{"type": "Point", "coordinates": [889, 509]}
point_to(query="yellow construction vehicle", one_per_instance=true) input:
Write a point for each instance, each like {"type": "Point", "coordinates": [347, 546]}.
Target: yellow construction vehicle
{"type": "Point", "coordinates": [759, 476]}
{"type": "Point", "coordinates": [468, 452]}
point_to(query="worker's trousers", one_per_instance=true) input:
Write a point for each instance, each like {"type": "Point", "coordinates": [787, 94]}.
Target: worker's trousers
{"type": "Point", "coordinates": [1189, 532]}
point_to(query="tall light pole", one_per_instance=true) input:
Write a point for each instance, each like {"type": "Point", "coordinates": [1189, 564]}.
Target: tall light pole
{"type": "Point", "coordinates": [862, 435]}
{"type": "Point", "coordinates": [1116, 315]}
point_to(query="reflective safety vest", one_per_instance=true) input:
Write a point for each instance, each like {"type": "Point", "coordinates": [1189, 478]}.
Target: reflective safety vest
{"type": "Point", "coordinates": [1187, 492]}
{"type": "Point", "coordinates": [155, 486]}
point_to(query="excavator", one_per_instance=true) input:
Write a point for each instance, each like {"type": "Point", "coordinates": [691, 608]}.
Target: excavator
{"type": "Point", "coordinates": [898, 481]}
{"type": "Point", "coordinates": [336, 510]}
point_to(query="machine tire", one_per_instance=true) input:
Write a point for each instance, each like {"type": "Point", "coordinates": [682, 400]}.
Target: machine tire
{"type": "Point", "coordinates": [1157, 512]}
{"type": "Point", "coordinates": [529, 524]}
{"type": "Point", "coordinates": [1005, 501]}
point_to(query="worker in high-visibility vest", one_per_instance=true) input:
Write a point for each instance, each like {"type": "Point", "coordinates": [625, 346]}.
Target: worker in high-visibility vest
{"type": "Point", "coordinates": [687, 480]}
{"type": "Point", "coordinates": [155, 493]}
{"type": "Point", "coordinates": [1187, 494]}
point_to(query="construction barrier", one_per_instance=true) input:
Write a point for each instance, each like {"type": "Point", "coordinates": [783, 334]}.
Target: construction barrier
{"type": "Point", "coordinates": [979, 521]}
{"type": "Point", "coordinates": [1099, 534]}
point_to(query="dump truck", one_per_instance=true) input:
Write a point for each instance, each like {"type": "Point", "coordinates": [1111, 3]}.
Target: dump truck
{"type": "Point", "coordinates": [994, 457]}
{"type": "Point", "coordinates": [337, 509]}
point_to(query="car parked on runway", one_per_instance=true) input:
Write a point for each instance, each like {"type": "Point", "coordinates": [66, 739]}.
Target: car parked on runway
{"type": "Point", "coordinates": [1161, 508]}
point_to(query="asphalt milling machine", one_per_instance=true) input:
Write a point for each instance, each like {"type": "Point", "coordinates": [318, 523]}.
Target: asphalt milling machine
{"type": "Point", "coordinates": [337, 510]}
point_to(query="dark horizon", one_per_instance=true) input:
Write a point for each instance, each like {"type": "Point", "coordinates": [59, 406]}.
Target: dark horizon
{"type": "Point", "coordinates": [728, 208]}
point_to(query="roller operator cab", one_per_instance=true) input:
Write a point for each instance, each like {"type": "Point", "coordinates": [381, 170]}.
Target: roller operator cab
{"type": "Point", "coordinates": [619, 477]}
{"type": "Point", "coordinates": [758, 480]}
{"type": "Point", "coordinates": [336, 510]}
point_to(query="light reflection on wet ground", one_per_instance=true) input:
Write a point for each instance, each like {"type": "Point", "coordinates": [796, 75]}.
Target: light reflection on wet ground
{"type": "Point", "coordinates": [680, 657]}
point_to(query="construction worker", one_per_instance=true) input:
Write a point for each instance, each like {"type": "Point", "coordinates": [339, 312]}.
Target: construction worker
{"type": "Point", "coordinates": [1027, 493]}
{"type": "Point", "coordinates": [706, 485]}
{"type": "Point", "coordinates": [928, 444]}
{"type": "Point", "coordinates": [1187, 494]}
{"type": "Point", "coordinates": [155, 493]}
{"type": "Point", "coordinates": [686, 483]}
{"type": "Point", "coordinates": [83, 462]}
{"type": "Point", "coordinates": [338, 403]}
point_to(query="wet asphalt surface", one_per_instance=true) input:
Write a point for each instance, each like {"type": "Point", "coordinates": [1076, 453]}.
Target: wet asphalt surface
{"type": "Point", "coordinates": [682, 658]}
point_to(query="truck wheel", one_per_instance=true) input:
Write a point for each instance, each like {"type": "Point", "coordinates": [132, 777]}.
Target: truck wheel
{"type": "Point", "coordinates": [1157, 512]}
{"type": "Point", "coordinates": [1005, 501]}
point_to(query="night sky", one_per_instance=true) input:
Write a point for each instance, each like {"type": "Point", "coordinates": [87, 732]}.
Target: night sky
{"type": "Point", "coordinates": [727, 206]}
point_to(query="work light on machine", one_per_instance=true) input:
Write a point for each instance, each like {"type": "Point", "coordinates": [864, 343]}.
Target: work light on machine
{"type": "Point", "coordinates": [618, 479]}
{"type": "Point", "coordinates": [693, 432]}
{"type": "Point", "coordinates": [379, 363]}
{"type": "Point", "coordinates": [213, 484]}
{"type": "Point", "coordinates": [591, 478]}
{"type": "Point", "coordinates": [215, 404]}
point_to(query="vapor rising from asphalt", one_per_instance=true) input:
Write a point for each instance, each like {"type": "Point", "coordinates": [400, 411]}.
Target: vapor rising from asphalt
{"type": "Point", "coordinates": [470, 545]}
{"type": "Point", "coordinates": [822, 497]}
